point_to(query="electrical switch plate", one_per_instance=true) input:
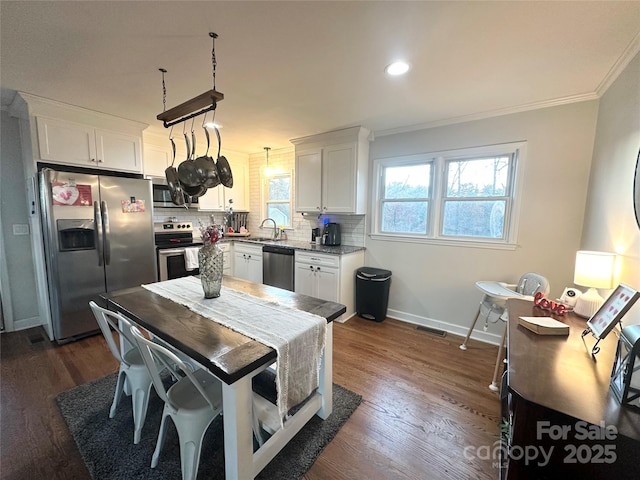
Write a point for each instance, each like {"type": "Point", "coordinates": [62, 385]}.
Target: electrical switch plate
{"type": "Point", "coordinates": [20, 229]}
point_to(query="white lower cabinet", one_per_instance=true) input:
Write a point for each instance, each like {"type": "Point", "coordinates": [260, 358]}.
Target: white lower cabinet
{"type": "Point", "coordinates": [247, 261]}
{"type": "Point", "coordinates": [329, 277]}
{"type": "Point", "coordinates": [227, 257]}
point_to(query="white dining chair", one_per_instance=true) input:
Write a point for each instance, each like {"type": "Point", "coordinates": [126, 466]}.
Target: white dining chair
{"type": "Point", "coordinates": [132, 373]}
{"type": "Point", "coordinates": [192, 402]}
{"type": "Point", "coordinates": [493, 307]}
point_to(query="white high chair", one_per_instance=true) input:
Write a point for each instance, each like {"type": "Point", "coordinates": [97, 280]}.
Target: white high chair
{"type": "Point", "coordinates": [493, 307]}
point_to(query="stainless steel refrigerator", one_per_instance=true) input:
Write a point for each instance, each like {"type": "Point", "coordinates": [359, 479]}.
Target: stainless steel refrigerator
{"type": "Point", "coordinates": [98, 237]}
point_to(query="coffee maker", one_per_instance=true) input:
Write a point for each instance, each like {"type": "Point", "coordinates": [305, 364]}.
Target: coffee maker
{"type": "Point", "coordinates": [331, 234]}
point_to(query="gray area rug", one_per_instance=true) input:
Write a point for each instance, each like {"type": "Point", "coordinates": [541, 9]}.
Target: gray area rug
{"type": "Point", "coordinates": [106, 445]}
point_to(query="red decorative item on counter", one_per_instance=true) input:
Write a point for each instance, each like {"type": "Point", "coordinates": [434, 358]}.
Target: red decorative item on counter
{"type": "Point", "coordinates": [546, 304]}
{"type": "Point", "coordinates": [210, 234]}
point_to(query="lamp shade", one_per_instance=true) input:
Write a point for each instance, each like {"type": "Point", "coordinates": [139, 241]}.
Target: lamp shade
{"type": "Point", "coordinates": [595, 269]}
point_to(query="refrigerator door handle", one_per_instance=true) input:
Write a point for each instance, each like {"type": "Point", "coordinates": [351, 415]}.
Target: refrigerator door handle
{"type": "Point", "coordinates": [97, 222]}
{"type": "Point", "coordinates": [105, 226]}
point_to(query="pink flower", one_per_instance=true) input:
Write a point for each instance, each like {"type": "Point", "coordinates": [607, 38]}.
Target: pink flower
{"type": "Point", "coordinates": [210, 235]}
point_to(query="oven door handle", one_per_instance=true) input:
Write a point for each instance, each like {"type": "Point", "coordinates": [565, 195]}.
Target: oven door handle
{"type": "Point", "coordinates": [167, 252]}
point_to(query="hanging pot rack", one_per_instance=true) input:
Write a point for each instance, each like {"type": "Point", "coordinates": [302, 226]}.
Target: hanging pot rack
{"type": "Point", "coordinates": [192, 108]}
{"type": "Point", "coordinates": [195, 106]}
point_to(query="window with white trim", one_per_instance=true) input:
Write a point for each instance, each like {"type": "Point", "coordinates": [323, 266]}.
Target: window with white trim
{"type": "Point", "coordinates": [466, 195]}
{"type": "Point", "coordinates": [277, 198]}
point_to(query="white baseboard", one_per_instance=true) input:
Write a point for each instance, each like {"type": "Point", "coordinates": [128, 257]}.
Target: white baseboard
{"type": "Point", "coordinates": [452, 328]}
{"type": "Point", "coordinates": [25, 323]}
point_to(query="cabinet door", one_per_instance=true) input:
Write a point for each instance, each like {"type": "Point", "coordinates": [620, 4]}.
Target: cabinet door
{"type": "Point", "coordinates": [156, 160]}
{"type": "Point", "coordinates": [118, 151]}
{"type": "Point", "coordinates": [66, 142]}
{"type": "Point", "coordinates": [254, 268]}
{"type": "Point", "coordinates": [227, 268]}
{"type": "Point", "coordinates": [309, 181]}
{"type": "Point", "coordinates": [304, 279]}
{"type": "Point", "coordinates": [213, 200]}
{"type": "Point", "coordinates": [339, 178]}
{"type": "Point", "coordinates": [328, 282]}
{"type": "Point", "coordinates": [240, 266]}
{"type": "Point", "coordinates": [239, 191]}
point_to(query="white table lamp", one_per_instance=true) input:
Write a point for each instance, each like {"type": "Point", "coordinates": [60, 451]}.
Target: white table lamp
{"type": "Point", "coordinates": [593, 270]}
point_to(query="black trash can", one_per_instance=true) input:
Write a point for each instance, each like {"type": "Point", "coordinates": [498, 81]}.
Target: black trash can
{"type": "Point", "coordinates": [372, 293]}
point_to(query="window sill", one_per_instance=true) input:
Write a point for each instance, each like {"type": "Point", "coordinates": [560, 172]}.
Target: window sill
{"type": "Point", "coordinates": [446, 242]}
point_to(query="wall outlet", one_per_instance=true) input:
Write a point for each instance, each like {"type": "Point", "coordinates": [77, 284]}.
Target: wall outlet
{"type": "Point", "coordinates": [20, 229]}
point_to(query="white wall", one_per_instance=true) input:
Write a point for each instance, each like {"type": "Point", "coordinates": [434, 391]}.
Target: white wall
{"type": "Point", "coordinates": [609, 222]}
{"type": "Point", "coordinates": [18, 286]}
{"type": "Point", "coordinates": [434, 284]}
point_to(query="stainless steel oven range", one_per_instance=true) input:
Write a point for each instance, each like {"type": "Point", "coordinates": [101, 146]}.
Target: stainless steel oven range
{"type": "Point", "coordinates": [172, 238]}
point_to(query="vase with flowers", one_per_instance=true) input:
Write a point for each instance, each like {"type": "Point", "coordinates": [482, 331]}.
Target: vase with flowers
{"type": "Point", "coordinates": [210, 260]}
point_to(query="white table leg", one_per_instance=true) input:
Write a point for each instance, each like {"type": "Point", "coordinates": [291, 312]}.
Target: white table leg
{"type": "Point", "coordinates": [326, 375]}
{"type": "Point", "coordinates": [238, 433]}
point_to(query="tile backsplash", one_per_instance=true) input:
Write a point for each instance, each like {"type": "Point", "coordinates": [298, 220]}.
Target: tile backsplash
{"type": "Point", "coordinates": [352, 226]}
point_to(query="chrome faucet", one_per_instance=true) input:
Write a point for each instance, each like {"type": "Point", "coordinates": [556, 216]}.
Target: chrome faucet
{"type": "Point", "coordinates": [275, 227]}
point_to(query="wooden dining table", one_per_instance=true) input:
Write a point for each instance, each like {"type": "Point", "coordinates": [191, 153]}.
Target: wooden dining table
{"type": "Point", "coordinates": [235, 359]}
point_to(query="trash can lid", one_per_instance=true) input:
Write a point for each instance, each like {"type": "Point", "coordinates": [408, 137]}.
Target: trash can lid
{"type": "Point", "coordinates": [373, 273]}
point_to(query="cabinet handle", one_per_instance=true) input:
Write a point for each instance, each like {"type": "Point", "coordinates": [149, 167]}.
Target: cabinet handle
{"type": "Point", "coordinates": [317, 269]}
{"type": "Point", "coordinates": [311, 267]}
{"type": "Point", "coordinates": [99, 160]}
{"type": "Point", "coordinates": [318, 208]}
{"type": "Point", "coordinates": [94, 160]}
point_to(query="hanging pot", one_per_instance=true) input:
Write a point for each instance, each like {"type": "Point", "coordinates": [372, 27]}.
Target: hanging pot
{"type": "Point", "coordinates": [187, 170]}
{"type": "Point", "coordinates": [224, 169]}
{"type": "Point", "coordinates": [194, 192]}
{"type": "Point", "coordinates": [175, 189]}
{"type": "Point", "coordinates": [206, 167]}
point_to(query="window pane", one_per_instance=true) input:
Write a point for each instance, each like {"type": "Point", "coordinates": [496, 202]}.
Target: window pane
{"type": "Point", "coordinates": [279, 188]}
{"type": "Point", "coordinates": [485, 177]}
{"type": "Point", "coordinates": [409, 181]}
{"type": "Point", "coordinates": [404, 217]}
{"type": "Point", "coordinates": [279, 212]}
{"type": "Point", "coordinates": [474, 218]}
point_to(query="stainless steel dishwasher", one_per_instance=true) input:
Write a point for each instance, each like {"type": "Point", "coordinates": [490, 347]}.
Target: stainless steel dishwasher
{"type": "Point", "coordinates": [278, 266]}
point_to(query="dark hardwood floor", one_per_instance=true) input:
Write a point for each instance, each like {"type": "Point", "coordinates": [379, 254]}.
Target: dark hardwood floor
{"type": "Point", "coordinates": [424, 401]}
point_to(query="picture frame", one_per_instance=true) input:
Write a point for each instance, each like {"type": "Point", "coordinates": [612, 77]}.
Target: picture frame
{"type": "Point", "coordinates": [610, 313]}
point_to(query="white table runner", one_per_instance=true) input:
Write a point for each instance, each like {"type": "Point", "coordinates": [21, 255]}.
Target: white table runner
{"type": "Point", "coordinates": [298, 337]}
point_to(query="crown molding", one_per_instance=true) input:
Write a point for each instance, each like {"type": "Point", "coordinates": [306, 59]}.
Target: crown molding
{"type": "Point", "coordinates": [490, 114]}
{"type": "Point", "coordinates": [629, 53]}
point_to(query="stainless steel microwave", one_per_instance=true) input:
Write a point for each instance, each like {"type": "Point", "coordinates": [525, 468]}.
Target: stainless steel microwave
{"type": "Point", "coordinates": [162, 196]}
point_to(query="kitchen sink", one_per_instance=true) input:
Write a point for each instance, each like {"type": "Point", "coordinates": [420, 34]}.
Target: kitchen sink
{"type": "Point", "coordinates": [262, 239]}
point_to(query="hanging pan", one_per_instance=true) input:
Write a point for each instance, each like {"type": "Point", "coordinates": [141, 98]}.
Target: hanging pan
{"type": "Point", "coordinates": [224, 170]}
{"type": "Point", "coordinates": [175, 189]}
{"type": "Point", "coordinates": [206, 167]}
{"type": "Point", "coordinates": [187, 169]}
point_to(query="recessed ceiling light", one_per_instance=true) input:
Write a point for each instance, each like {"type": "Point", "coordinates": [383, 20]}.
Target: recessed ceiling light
{"type": "Point", "coordinates": [212, 125]}
{"type": "Point", "coordinates": [397, 68]}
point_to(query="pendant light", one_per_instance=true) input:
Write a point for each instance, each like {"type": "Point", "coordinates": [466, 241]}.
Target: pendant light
{"type": "Point", "coordinates": [268, 171]}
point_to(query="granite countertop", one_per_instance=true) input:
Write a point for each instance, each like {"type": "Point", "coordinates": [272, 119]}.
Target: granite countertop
{"type": "Point", "coordinates": [307, 246]}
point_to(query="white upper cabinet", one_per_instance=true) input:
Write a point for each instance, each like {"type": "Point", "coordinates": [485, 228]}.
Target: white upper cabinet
{"type": "Point", "coordinates": [331, 171]}
{"type": "Point", "coordinates": [64, 142]}
{"type": "Point", "coordinates": [156, 159]}
{"type": "Point", "coordinates": [218, 198]}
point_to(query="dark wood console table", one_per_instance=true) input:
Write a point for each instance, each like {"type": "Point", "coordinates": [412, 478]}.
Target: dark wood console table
{"type": "Point", "coordinates": [557, 400]}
